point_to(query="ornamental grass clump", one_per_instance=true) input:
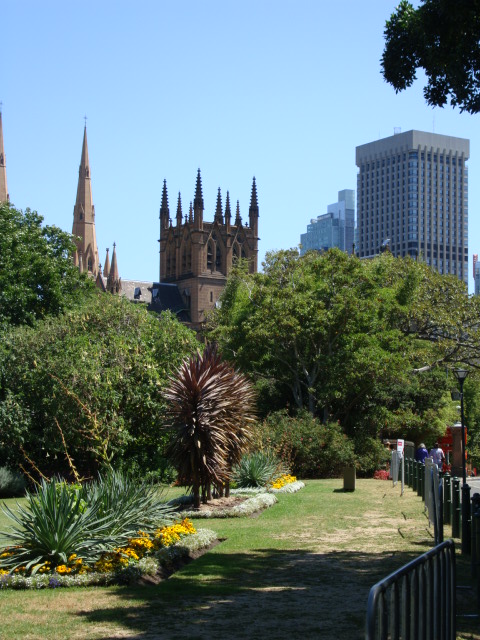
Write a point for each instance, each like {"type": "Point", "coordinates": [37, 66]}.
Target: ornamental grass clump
{"type": "Point", "coordinates": [54, 525]}
{"type": "Point", "coordinates": [66, 529]}
{"type": "Point", "coordinates": [258, 469]}
{"type": "Point", "coordinates": [129, 505]}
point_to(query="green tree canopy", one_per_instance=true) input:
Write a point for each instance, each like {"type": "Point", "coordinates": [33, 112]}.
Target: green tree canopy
{"type": "Point", "coordinates": [37, 274]}
{"type": "Point", "coordinates": [442, 37]}
{"type": "Point", "coordinates": [93, 376]}
{"type": "Point", "coordinates": [360, 342]}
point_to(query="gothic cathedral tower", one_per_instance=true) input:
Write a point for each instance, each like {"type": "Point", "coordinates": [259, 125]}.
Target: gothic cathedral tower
{"type": "Point", "coordinates": [197, 256]}
{"type": "Point", "coordinates": [86, 255]}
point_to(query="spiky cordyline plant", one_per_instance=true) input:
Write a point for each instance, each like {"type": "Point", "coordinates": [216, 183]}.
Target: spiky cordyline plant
{"type": "Point", "coordinates": [211, 409]}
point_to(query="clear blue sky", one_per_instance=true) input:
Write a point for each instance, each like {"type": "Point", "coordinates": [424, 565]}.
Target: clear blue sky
{"type": "Point", "coordinates": [283, 90]}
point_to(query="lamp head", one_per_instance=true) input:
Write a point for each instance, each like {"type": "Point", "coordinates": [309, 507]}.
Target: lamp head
{"type": "Point", "coordinates": [460, 374]}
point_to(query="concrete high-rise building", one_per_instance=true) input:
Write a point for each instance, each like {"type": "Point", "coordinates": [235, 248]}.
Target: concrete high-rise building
{"type": "Point", "coordinates": [476, 274]}
{"type": "Point", "coordinates": [332, 229]}
{"type": "Point", "coordinates": [412, 195]}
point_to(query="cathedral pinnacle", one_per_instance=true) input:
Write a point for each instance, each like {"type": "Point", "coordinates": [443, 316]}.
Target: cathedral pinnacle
{"type": "Point", "coordinates": [218, 210]}
{"type": "Point", "coordinates": [238, 218]}
{"type": "Point", "coordinates": [3, 167]}
{"type": "Point", "coordinates": [84, 214]}
{"type": "Point", "coordinates": [179, 210]}
{"type": "Point", "coordinates": [198, 203]}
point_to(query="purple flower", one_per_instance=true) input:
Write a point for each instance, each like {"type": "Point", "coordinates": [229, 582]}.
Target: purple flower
{"type": "Point", "coordinates": [53, 583]}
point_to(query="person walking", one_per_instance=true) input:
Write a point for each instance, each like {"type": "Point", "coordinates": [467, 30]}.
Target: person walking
{"type": "Point", "coordinates": [421, 453]}
{"type": "Point", "coordinates": [438, 456]}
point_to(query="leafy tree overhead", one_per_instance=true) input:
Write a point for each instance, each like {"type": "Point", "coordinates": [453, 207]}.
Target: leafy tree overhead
{"type": "Point", "coordinates": [37, 274]}
{"type": "Point", "coordinates": [442, 37]}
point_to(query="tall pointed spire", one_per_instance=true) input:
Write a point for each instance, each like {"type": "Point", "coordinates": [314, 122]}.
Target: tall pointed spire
{"type": "Point", "coordinates": [198, 203]}
{"type": "Point", "coordinates": [3, 166]}
{"type": "Point", "coordinates": [218, 210]}
{"type": "Point", "coordinates": [84, 214]}
{"type": "Point", "coordinates": [238, 218]}
{"type": "Point", "coordinates": [190, 212]}
{"type": "Point", "coordinates": [106, 268]}
{"type": "Point", "coordinates": [253, 211]}
{"type": "Point", "coordinates": [114, 284]}
{"type": "Point", "coordinates": [164, 210]}
{"type": "Point", "coordinates": [179, 210]}
{"type": "Point", "coordinates": [228, 212]}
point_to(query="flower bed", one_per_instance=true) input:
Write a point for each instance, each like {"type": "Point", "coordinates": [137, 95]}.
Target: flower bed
{"type": "Point", "coordinates": [289, 487]}
{"type": "Point", "coordinates": [249, 506]}
{"type": "Point", "coordinates": [143, 555]}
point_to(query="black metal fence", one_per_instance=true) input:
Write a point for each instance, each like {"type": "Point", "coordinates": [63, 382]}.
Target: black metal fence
{"type": "Point", "coordinates": [417, 602]}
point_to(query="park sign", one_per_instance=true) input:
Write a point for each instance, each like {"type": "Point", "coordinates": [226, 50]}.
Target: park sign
{"type": "Point", "coordinates": [400, 447]}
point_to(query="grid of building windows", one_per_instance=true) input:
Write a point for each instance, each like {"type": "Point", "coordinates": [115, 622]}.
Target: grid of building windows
{"type": "Point", "coordinates": [335, 228]}
{"type": "Point", "coordinates": [412, 194]}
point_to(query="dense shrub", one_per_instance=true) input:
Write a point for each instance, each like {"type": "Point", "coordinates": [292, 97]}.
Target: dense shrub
{"type": "Point", "coordinates": [371, 455]}
{"type": "Point", "coordinates": [12, 484]}
{"type": "Point", "coordinates": [308, 447]}
{"type": "Point", "coordinates": [90, 382]}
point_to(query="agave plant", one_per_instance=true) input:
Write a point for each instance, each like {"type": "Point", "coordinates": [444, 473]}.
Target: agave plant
{"type": "Point", "coordinates": [54, 525]}
{"type": "Point", "coordinates": [211, 409]}
{"type": "Point", "coordinates": [128, 505]}
{"type": "Point", "coordinates": [60, 520]}
{"type": "Point", "coordinates": [257, 469]}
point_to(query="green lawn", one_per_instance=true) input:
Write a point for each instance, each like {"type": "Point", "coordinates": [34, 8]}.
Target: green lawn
{"type": "Point", "coordinates": [301, 569]}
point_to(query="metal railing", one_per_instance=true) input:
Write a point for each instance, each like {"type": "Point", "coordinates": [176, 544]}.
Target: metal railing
{"type": "Point", "coordinates": [416, 602]}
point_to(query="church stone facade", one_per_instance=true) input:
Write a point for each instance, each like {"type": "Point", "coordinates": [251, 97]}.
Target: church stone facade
{"type": "Point", "coordinates": [197, 256]}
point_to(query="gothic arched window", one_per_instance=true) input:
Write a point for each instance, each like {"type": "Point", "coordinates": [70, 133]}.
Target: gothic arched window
{"type": "Point", "coordinates": [210, 254]}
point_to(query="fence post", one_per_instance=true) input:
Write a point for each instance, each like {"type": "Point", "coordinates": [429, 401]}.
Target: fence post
{"type": "Point", "coordinates": [424, 480]}
{"type": "Point", "coordinates": [420, 478]}
{"type": "Point", "coordinates": [476, 543]}
{"type": "Point", "coordinates": [475, 535]}
{"type": "Point", "coordinates": [455, 507]}
{"type": "Point", "coordinates": [447, 498]}
{"type": "Point", "coordinates": [415, 475]}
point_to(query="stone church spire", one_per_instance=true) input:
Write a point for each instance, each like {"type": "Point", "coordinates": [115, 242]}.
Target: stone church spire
{"type": "Point", "coordinates": [218, 210]}
{"type": "Point", "coordinates": [198, 206]}
{"type": "Point", "coordinates": [164, 210]}
{"type": "Point", "coordinates": [114, 283]}
{"type": "Point", "coordinates": [253, 211]}
{"type": "Point", "coordinates": [106, 268]}
{"type": "Point", "coordinates": [84, 216]}
{"type": "Point", "coordinates": [3, 167]}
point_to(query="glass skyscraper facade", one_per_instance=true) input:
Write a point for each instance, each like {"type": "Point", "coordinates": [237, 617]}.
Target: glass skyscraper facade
{"type": "Point", "coordinates": [334, 228]}
{"type": "Point", "coordinates": [412, 194]}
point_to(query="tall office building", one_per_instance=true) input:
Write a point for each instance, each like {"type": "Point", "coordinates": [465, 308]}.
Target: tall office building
{"type": "Point", "coordinates": [412, 194]}
{"type": "Point", "coordinates": [476, 274]}
{"type": "Point", "coordinates": [334, 228]}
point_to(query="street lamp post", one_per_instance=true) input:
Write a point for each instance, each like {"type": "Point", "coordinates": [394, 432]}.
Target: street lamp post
{"type": "Point", "coordinates": [461, 374]}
